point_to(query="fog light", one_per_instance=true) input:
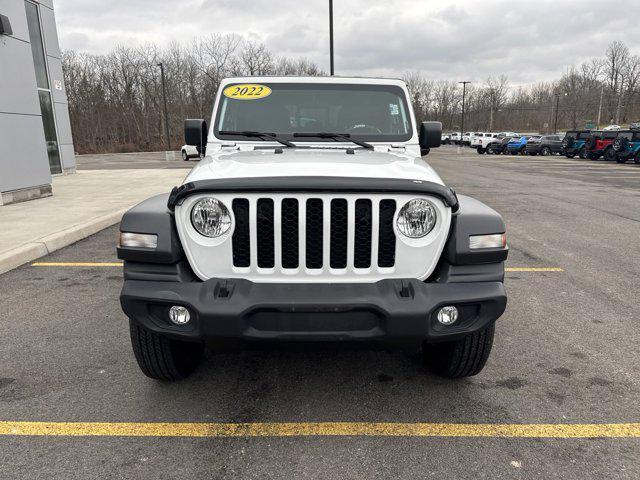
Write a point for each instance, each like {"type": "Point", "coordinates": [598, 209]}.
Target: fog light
{"type": "Point", "coordinates": [179, 315]}
{"type": "Point", "coordinates": [447, 315]}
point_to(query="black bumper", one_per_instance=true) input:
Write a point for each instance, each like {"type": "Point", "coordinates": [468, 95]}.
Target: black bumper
{"type": "Point", "coordinates": [392, 309]}
{"type": "Point", "coordinates": [533, 149]}
{"type": "Point", "coordinates": [626, 154]}
{"type": "Point", "coordinates": [571, 151]}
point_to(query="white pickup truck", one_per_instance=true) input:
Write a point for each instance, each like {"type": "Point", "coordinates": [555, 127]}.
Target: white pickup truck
{"type": "Point", "coordinates": [312, 216]}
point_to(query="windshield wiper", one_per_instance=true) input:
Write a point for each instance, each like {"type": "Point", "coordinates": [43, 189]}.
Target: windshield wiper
{"type": "Point", "coordinates": [336, 136]}
{"type": "Point", "coordinates": [261, 135]}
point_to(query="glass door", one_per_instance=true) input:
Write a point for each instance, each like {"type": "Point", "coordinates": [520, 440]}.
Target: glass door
{"type": "Point", "coordinates": [44, 89]}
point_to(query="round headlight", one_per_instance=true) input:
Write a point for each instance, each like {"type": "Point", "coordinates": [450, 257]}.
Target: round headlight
{"type": "Point", "coordinates": [210, 217]}
{"type": "Point", "coordinates": [417, 218]}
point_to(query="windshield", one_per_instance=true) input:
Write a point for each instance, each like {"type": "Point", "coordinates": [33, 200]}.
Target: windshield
{"type": "Point", "coordinates": [377, 113]}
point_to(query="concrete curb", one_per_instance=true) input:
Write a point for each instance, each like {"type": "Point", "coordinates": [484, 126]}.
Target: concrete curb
{"type": "Point", "coordinates": [50, 243]}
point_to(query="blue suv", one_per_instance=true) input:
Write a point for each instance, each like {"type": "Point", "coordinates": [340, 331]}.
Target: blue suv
{"type": "Point", "coordinates": [627, 146]}
{"type": "Point", "coordinates": [516, 146]}
{"type": "Point", "coordinates": [574, 143]}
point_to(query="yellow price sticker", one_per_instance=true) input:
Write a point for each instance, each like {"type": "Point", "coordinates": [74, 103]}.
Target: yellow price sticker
{"type": "Point", "coordinates": [247, 91]}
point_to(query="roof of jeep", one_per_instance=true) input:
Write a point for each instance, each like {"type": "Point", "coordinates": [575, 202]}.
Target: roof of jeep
{"type": "Point", "coordinates": [306, 79]}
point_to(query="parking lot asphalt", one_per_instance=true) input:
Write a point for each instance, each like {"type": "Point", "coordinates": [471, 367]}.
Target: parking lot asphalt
{"type": "Point", "coordinates": [566, 352]}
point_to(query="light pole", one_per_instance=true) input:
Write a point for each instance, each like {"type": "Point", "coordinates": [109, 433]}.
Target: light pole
{"type": "Point", "coordinates": [166, 114]}
{"type": "Point", "coordinates": [464, 93]}
{"type": "Point", "coordinates": [600, 106]}
{"type": "Point", "coordinates": [555, 122]}
{"type": "Point", "coordinates": [492, 99]}
{"type": "Point", "coordinates": [331, 36]}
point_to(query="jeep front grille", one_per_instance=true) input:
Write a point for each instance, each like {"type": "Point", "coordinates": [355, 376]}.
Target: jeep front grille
{"type": "Point", "coordinates": [315, 232]}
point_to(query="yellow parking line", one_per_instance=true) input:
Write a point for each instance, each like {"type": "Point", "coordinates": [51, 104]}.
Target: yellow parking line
{"type": "Point", "coordinates": [529, 269]}
{"type": "Point", "coordinates": [77, 264]}
{"type": "Point", "coordinates": [331, 429]}
{"type": "Point", "coordinates": [119, 264]}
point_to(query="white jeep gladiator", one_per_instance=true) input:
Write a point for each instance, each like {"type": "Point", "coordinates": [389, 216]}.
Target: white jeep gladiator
{"type": "Point", "coordinates": [312, 216]}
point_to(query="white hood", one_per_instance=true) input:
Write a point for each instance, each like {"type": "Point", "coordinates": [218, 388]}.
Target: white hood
{"type": "Point", "coordinates": [312, 162]}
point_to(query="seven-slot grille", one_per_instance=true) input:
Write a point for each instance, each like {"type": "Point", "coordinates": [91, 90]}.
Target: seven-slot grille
{"type": "Point", "coordinates": [314, 233]}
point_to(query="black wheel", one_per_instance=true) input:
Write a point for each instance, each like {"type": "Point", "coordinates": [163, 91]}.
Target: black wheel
{"type": "Point", "coordinates": [570, 155]}
{"type": "Point", "coordinates": [162, 358]}
{"type": "Point", "coordinates": [583, 153]}
{"type": "Point", "coordinates": [185, 157]}
{"type": "Point", "coordinates": [533, 154]}
{"type": "Point", "coordinates": [610, 154]}
{"type": "Point", "coordinates": [481, 151]}
{"type": "Point", "coordinates": [620, 159]}
{"type": "Point", "coordinates": [636, 159]}
{"type": "Point", "coordinates": [462, 358]}
{"type": "Point", "coordinates": [545, 151]}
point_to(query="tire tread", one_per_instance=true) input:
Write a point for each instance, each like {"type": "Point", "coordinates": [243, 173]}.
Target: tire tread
{"type": "Point", "coordinates": [160, 357]}
{"type": "Point", "coordinates": [461, 358]}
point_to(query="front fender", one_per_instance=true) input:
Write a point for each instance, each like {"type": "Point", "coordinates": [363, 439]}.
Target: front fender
{"type": "Point", "coordinates": [473, 218]}
{"type": "Point", "coordinates": [152, 216]}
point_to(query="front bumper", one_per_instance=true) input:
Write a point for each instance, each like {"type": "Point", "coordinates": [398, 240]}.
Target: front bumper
{"type": "Point", "coordinates": [572, 150]}
{"type": "Point", "coordinates": [626, 154]}
{"type": "Point", "coordinates": [240, 308]}
{"type": "Point", "coordinates": [535, 148]}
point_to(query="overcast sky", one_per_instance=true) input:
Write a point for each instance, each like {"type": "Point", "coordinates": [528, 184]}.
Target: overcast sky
{"type": "Point", "coordinates": [527, 40]}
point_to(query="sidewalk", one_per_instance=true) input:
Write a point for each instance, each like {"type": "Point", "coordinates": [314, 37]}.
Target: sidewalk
{"type": "Point", "coordinates": [82, 204]}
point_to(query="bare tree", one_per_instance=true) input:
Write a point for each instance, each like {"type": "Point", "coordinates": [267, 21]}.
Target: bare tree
{"type": "Point", "coordinates": [115, 99]}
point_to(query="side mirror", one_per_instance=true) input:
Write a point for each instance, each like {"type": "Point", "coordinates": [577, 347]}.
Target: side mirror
{"type": "Point", "coordinates": [430, 136]}
{"type": "Point", "coordinates": [195, 133]}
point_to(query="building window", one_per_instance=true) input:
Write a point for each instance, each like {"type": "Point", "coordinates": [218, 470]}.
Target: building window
{"type": "Point", "coordinates": [44, 90]}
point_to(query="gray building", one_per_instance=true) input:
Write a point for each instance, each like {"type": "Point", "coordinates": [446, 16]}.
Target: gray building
{"type": "Point", "coordinates": [35, 132]}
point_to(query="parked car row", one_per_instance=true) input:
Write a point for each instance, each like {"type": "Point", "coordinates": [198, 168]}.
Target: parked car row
{"type": "Point", "coordinates": [610, 144]}
{"type": "Point", "coordinates": [618, 145]}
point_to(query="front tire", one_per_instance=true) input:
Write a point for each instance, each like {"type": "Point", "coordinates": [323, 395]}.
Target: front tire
{"type": "Point", "coordinates": [163, 358]}
{"type": "Point", "coordinates": [461, 358]}
{"type": "Point", "coordinates": [480, 151]}
{"type": "Point", "coordinates": [545, 152]}
{"type": "Point", "coordinates": [583, 153]}
{"type": "Point", "coordinates": [610, 154]}
{"type": "Point", "coordinates": [185, 157]}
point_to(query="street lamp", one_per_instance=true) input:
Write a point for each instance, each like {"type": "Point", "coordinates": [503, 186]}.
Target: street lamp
{"type": "Point", "coordinates": [331, 36]}
{"type": "Point", "coordinates": [464, 92]}
{"type": "Point", "coordinates": [555, 123]}
{"type": "Point", "coordinates": [166, 114]}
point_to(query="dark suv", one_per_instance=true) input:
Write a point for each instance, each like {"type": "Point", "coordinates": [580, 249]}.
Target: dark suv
{"type": "Point", "coordinates": [573, 143]}
{"type": "Point", "coordinates": [627, 146]}
{"type": "Point", "coordinates": [600, 144]}
{"type": "Point", "coordinates": [545, 145]}
{"type": "Point", "coordinates": [499, 146]}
